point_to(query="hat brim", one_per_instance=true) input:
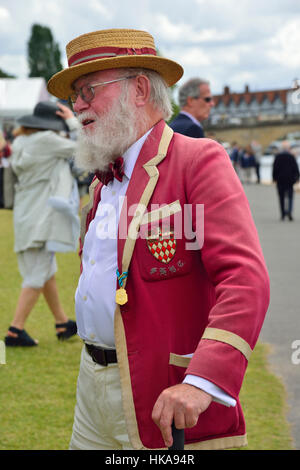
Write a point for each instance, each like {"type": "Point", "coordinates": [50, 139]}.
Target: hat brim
{"type": "Point", "coordinates": [60, 85]}
{"type": "Point", "coordinates": [35, 122]}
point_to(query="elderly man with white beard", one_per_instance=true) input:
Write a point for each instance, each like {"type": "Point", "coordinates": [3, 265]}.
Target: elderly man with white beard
{"type": "Point", "coordinates": [168, 316]}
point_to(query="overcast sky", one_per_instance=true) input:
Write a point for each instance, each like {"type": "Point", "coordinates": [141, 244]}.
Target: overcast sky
{"type": "Point", "coordinates": [229, 42]}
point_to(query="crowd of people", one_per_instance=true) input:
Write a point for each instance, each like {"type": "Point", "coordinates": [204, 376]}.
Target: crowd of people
{"type": "Point", "coordinates": [284, 171]}
{"type": "Point", "coordinates": [246, 161]}
{"type": "Point", "coordinates": [145, 306]}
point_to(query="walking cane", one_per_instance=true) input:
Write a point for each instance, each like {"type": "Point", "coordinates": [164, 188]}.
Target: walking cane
{"type": "Point", "coordinates": [178, 438]}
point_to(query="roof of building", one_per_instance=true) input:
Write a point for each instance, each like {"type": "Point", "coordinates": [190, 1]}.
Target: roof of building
{"type": "Point", "coordinates": [248, 96]}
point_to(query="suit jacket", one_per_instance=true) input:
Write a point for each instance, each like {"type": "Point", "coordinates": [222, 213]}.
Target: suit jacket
{"type": "Point", "coordinates": [209, 302]}
{"type": "Point", "coordinates": [285, 169]}
{"type": "Point", "coordinates": [184, 125]}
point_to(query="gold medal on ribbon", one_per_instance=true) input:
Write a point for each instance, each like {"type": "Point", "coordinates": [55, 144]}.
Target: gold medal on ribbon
{"type": "Point", "coordinates": [121, 296]}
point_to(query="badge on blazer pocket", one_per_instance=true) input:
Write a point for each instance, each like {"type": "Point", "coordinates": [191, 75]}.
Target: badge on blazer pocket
{"type": "Point", "coordinates": [160, 248]}
{"type": "Point", "coordinates": [162, 245]}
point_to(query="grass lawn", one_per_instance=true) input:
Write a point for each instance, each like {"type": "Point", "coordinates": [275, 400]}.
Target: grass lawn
{"type": "Point", "coordinates": [38, 385]}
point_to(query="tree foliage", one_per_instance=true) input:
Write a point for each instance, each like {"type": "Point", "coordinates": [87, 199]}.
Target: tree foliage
{"type": "Point", "coordinates": [43, 53]}
{"type": "Point", "coordinates": [175, 106]}
{"type": "Point", "coordinates": [5, 75]}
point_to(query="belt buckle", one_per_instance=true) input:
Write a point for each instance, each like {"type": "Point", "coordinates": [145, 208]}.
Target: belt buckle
{"type": "Point", "coordinates": [103, 357]}
{"type": "Point", "coordinates": [98, 355]}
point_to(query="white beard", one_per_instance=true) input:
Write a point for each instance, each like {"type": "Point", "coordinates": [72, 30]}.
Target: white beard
{"type": "Point", "coordinates": [113, 134]}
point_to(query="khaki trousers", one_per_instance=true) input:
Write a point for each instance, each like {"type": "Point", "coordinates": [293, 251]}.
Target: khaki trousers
{"type": "Point", "coordinates": [99, 422]}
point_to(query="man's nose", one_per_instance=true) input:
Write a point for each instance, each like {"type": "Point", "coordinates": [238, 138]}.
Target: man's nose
{"type": "Point", "coordinates": [80, 105]}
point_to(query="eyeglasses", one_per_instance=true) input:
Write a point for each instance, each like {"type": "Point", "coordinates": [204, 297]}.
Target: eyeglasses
{"type": "Point", "coordinates": [87, 92]}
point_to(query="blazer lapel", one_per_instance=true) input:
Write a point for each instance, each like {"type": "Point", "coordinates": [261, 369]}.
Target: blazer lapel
{"type": "Point", "coordinates": [142, 184]}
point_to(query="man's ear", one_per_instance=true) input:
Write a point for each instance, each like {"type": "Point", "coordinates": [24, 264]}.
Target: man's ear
{"type": "Point", "coordinates": [142, 90]}
{"type": "Point", "coordinates": [190, 101]}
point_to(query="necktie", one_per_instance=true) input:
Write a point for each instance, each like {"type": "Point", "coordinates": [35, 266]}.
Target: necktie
{"type": "Point", "coordinates": [116, 170]}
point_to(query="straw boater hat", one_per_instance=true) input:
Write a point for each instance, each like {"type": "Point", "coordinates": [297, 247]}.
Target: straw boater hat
{"type": "Point", "coordinates": [111, 49]}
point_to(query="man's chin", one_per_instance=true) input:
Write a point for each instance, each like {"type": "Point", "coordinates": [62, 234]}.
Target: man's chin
{"type": "Point", "coordinates": [90, 157]}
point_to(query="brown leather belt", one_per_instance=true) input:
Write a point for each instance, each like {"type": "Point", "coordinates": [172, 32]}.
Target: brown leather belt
{"type": "Point", "coordinates": [102, 356]}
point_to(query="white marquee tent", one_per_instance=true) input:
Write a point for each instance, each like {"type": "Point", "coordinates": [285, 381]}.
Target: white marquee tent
{"type": "Point", "coordinates": [18, 96]}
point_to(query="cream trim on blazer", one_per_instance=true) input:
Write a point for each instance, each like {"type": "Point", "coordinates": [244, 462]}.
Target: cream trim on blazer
{"type": "Point", "coordinates": [120, 339]}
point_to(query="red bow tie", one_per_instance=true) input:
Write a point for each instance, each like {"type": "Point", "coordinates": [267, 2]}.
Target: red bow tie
{"type": "Point", "coordinates": [116, 170]}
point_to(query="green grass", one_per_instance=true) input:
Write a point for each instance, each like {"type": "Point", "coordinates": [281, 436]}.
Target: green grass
{"type": "Point", "coordinates": [38, 385]}
{"type": "Point", "coordinates": [264, 405]}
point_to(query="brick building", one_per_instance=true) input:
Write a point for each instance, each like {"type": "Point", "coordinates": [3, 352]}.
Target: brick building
{"type": "Point", "coordinates": [255, 106]}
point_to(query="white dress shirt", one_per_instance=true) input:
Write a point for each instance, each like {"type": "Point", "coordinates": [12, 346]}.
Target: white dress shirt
{"type": "Point", "coordinates": [95, 294]}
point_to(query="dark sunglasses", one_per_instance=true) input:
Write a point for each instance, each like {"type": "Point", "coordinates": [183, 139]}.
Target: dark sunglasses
{"type": "Point", "coordinates": [208, 99]}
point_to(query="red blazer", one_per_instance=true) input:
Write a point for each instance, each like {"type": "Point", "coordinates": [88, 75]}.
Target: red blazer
{"type": "Point", "coordinates": [210, 302]}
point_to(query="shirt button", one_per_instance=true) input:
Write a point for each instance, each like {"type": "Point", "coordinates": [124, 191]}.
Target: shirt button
{"type": "Point", "coordinates": [84, 297]}
{"type": "Point", "coordinates": [92, 336]}
{"type": "Point", "coordinates": [113, 193]}
{"type": "Point", "coordinates": [93, 261]}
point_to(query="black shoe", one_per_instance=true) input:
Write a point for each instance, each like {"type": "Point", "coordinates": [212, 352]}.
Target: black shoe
{"type": "Point", "coordinates": [23, 338]}
{"type": "Point", "coordinates": [290, 217]}
{"type": "Point", "coordinates": [70, 329]}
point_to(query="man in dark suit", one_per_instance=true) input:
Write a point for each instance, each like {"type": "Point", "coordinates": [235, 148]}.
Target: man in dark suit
{"type": "Point", "coordinates": [195, 101]}
{"type": "Point", "coordinates": [285, 174]}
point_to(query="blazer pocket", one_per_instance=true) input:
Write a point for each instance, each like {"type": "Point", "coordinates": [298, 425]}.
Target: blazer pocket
{"type": "Point", "coordinates": [160, 247]}
{"type": "Point", "coordinates": [161, 213]}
